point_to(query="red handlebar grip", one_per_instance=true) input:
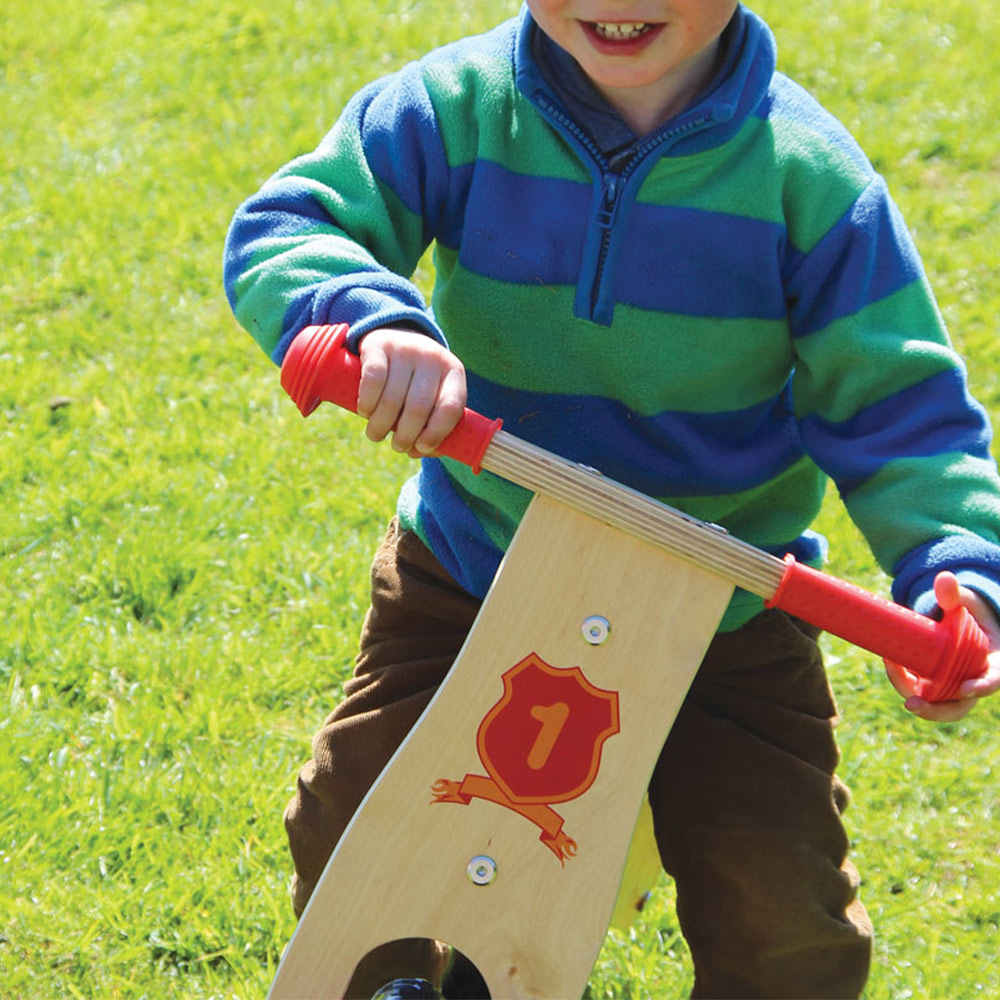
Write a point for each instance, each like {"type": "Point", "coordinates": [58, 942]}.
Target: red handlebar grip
{"type": "Point", "coordinates": [309, 372]}
{"type": "Point", "coordinates": [941, 654]}
{"type": "Point", "coordinates": [319, 368]}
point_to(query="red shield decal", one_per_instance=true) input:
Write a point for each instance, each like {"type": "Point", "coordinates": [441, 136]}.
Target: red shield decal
{"type": "Point", "coordinates": [542, 742]}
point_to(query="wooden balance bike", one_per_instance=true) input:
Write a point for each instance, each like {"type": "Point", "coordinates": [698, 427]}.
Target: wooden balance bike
{"type": "Point", "coordinates": [502, 824]}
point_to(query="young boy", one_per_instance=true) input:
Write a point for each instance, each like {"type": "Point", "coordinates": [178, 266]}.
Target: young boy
{"type": "Point", "coordinates": [657, 256]}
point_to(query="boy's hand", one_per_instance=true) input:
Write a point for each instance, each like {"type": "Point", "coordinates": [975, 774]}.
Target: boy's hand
{"type": "Point", "coordinates": [949, 595]}
{"type": "Point", "coordinates": [411, 386]}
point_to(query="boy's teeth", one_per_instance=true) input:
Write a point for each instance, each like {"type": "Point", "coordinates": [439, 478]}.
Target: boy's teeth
{"type": "Point", "coordinates": [620, 29]}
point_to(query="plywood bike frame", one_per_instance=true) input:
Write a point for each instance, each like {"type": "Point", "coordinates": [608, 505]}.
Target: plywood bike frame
{"type": "Point", "coordinates": [610, 631]}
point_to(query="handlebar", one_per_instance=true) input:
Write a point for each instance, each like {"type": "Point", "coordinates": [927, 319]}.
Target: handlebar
{"type": "Point", "coordinates": [319, 368]}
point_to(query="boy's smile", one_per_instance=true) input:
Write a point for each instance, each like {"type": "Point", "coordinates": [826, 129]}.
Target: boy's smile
{"type": "Point", "coordinates": [620, 38]}
{"type": "Point", "coordinates": [649, 58]}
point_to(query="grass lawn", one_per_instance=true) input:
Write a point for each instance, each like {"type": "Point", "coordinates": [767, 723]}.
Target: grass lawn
{"type": "Point", "coordinates": [183, 560]}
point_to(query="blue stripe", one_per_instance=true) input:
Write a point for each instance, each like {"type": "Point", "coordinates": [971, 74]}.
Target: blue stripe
{"type": "Point", "coordinates": [450, 223]}
{"type": "Point", "coordinates": [403, 145]}
{"type": "Point", "coordinates": [867, 256]}
{"type": "Point", "coordinates": [701, 263]}
{"type": "Point", "coordinates": [283, 209]}
{"type": "Point", "coordinates": [530, 230]}
{"type": "Point", "coordinates": [458, 541]}
{"type": "Point", "coordinates": [669, 454]}
{"type": "Point", "coordinates": [365, 300]}
{"type": "Point", "coordinates": [399, 118]}
{"type": "Point", "coordinates": [525, 230]}
{"type": "Point", "coordinates": [934, 417]}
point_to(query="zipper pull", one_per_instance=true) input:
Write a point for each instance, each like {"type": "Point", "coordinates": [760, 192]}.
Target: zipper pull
{"type": "Point", "coordinates": [609, 202]}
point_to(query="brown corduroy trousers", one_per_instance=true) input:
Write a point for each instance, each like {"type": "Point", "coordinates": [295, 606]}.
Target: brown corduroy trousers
{"type": "Point", "coordinates": [745, 802]}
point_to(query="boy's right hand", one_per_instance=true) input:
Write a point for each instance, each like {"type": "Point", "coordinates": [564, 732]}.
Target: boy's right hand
{"type": "Point", "coordinates": [410, 386]}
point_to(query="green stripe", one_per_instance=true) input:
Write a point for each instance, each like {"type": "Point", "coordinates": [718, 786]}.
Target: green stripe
{"type": "Point", "coordinates": [770, 515]}
{"type": "Point", "coordinates": [507, 130]}
{"type": "Point", "coordinates": [738, 178]}
{"type": "Point", "coordinates": [498, 504]}
{"type": "Point", "coordinates": [896, 509]}
{"type": "Point", "coordinates": [820, 182]}
{"type": "Point", "coordinates": [798, 160]}
{"type": "Point", "coordinates": [808, 182]}
{"type": "Point", "coordinates": [742, 607]}
{"type": "Point", "coordinates": [650, 361]}
{"type": "Point", "coordinates": [337, 175]}
{"type": "Point", "coordinates": [398, 235]}
{"type": "Point", "coordinates": [867, 356]}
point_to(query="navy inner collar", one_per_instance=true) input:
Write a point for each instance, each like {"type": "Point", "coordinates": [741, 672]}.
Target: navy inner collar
{"type": "Point", "coordinates": [590, 109]}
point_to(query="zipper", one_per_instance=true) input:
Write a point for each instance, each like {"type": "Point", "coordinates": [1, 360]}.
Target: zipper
{"type": "Point", "coordinates": [556, 114]}
{"type": "Point", "coordinates": [614, 182]}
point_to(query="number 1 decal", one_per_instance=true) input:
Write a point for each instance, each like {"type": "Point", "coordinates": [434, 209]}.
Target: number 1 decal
{"type": "Point", "coordinates": [540, 743]}
{"type": "Point", "coordinates": [552, 718]}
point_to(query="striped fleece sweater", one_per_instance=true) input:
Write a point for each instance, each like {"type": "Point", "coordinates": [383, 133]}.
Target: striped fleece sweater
{"type": "Point", "coordinates": [731, 317]}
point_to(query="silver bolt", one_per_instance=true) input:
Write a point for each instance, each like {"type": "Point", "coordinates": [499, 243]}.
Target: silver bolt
{"type": "Point", "coordinates": [482, 870]}
{"type": "Point", "coordinates": [595, 629]}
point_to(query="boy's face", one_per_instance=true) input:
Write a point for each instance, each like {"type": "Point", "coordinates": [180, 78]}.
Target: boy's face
{"type": "Point", "coordinates": [648, 57]}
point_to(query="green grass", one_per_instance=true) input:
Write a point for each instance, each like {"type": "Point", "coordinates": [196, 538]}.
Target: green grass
{"type": "Point", "coordinates": [183, 560]}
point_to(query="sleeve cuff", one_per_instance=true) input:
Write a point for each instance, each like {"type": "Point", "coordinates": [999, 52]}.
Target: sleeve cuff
{"type": "Point", "coordinates": [985, 585]}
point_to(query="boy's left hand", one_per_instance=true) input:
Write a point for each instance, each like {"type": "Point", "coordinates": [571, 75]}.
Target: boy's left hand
{"type": "Point", "coordinates": [949, 595]}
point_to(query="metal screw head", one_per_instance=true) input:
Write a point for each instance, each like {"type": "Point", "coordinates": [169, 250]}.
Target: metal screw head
{"type": "Point", "coordinates": [482, 870]}
{"type": "Point", "coordinates": [595, 629]}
